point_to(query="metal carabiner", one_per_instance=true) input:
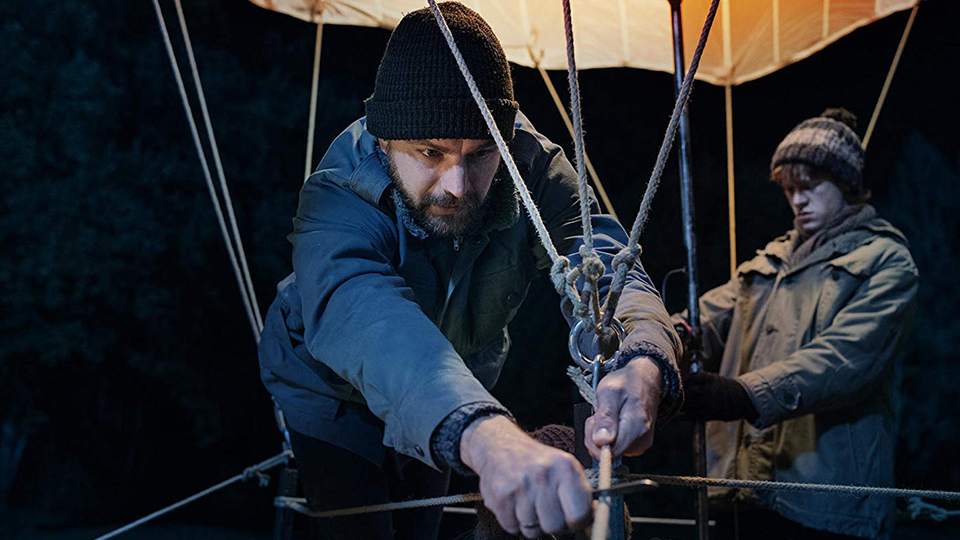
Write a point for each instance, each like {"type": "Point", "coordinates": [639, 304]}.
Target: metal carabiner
{"type": "Point", "coordinates": [585, 362]}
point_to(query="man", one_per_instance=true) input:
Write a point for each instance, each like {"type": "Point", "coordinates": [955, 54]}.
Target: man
{"type": "Point", "coordinates": [805, 339]}
{"type": "Point", "coordinates": [411, 254]}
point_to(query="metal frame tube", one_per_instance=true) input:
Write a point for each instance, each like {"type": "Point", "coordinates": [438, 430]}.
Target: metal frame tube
{"type": "Point", "coordinates": [690, 243]}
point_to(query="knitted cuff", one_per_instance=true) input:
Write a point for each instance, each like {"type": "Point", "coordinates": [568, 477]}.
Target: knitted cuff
{"type": "Point", "coordinates": [671, 390]}
{"type": "Point", "coordinates": [445, 442]}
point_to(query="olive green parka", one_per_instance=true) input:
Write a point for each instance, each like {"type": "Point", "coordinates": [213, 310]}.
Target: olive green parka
{"type": "Point", "coordinates": [815, 345]}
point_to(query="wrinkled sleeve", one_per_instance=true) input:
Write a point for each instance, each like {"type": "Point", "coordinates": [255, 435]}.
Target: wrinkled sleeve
{"type": "Point", "coordinates": [650, 332]}
{"type": "Point", "coordinates": [836, 368]}
{"type": "Point", "coordinates": [362, 320]}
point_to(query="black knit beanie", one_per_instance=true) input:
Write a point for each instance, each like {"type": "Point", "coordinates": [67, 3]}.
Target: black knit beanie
{"type": "Point", "coordinates": [828, 142]}
{"type": "Point", "coordinates": [420, 92]}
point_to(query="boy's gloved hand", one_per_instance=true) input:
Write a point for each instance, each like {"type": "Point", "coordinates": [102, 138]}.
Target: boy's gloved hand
{"type": "Point", "coordinates": [708, 396]}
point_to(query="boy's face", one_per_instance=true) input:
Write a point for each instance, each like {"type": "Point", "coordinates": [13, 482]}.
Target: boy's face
{"type": "Point", "coordinates": [814, 202]}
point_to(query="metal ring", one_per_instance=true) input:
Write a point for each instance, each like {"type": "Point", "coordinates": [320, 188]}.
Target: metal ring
{"type": "Point", "coordinates": [583, 360]}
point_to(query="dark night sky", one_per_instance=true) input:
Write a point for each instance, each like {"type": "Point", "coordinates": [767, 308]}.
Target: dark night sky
{"type": "Point", "coordinates": [127, 369]}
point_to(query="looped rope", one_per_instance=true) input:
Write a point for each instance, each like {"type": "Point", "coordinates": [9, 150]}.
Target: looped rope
{"type": "Point", "coordinates": [619, 473]}
{"type": "Point", "coordinates": [592, 269]}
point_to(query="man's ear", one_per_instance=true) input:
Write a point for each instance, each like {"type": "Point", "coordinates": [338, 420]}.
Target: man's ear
{"type": "Point", "coordinates": [384, 145]}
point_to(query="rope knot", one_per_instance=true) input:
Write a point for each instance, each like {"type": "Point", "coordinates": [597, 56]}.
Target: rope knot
{"type": "Point", "coordinates": [254, 472]}
{"type": "Point", "coordinates": [618, 473]}
{"type": "Point", "coordinates": [627, 256]}
{"type": "Point", "coordinates": [591, 265]}
{"type": "Point", "coordinates": [558, 274]}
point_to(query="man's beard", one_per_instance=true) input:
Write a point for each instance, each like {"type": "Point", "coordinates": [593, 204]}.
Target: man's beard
{"type": "Point", "coordinates": [471, 209]}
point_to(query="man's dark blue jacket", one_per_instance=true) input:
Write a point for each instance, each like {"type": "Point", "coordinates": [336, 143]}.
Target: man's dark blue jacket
{"type": "Point", "coordinates": [382, 331]}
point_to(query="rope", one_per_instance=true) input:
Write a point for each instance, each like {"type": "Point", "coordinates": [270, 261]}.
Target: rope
{"type": "Point", "coordinates": [254, 471]}
{"type": "Point", "coordinates": [244, 293]}
{"type": "Point", "coordinates": [893, 69]}
{"type": "Point", "coordinates": [562, 275]}
{"type": "Point", "coordinates": [241, 270]}
{"type": "Point", "coordinates": [525, 196]}
{"type": "Point", "coordinates": [566, 121]}
{"type": "Point", "coordinates": [917, 509]}
{"type": "Point", "coordinates": [577, 129]}
{"type": "Point", "coordinates": [300, 505]}
{"type": "Point", "coordinates": [216, 160]}
{"type": "Point", "coordinates": [763, 485]}
{"type": "Point", "coordinates": [591, 267]}
{"type": "Point", "coordinates": [311, 127]}
{"type": "Point", "coordinates": [627, 257]}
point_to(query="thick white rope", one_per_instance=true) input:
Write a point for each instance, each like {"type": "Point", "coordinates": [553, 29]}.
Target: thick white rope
{"type": "Point", "coordinates": [591, 267]}
{"type": "Point", "coordinates": [577, 120]}
{"type": "Point", "coordinates": [525, 196]}
{"type": "Point", "coordinates": [250, 472]}
{"type": "Point", "coordinates": [562, 276]}
{"type": "Point", "coordinates": [228, 202]}
{"type": "Point", "coordinates": [247, 303]}
{"type": "Point", "coordinates": [241, 271]}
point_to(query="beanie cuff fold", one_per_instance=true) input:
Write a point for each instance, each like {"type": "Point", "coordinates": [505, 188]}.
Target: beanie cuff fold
{"type": "Point", "coordinates": [438, 119]}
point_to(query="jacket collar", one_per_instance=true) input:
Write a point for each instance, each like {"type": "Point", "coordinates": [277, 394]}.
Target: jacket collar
{"type": "Point", "coordinates": [370, 179]}
{"type": "Point", "coordinates": [781, 248]}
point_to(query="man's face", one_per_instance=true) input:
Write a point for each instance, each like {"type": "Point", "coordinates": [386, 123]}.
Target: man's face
{"type": "Point", "coordinates": [445, 182]}
{"type": "Point", "coordinates": [814, 202]}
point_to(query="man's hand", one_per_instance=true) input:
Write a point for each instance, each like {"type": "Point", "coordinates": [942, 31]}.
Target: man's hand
{"type": "Point", "coordinates": [708, 396]}
{"type": "Point", "coordinates": [627, 403]}
{"type": "Point", "coordinates": [531, 488]}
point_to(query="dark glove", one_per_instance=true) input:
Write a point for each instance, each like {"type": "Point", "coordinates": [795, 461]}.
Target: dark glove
{"type": "Point", "coordinates": [689, 342]}
{"type": "Point", "coordinates": [708, 396]}
{"type": "Point", "coordinates": [684, 331]}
